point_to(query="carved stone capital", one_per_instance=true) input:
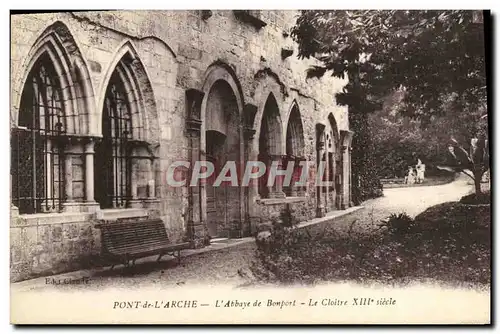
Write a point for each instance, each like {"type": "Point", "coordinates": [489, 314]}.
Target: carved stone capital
{"type": "Point", "coordinates": [89, 147]}
{"type": "Point", "coordinates": [346, 137]}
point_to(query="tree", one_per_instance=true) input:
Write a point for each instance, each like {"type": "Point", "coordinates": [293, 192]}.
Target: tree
{"type": "Point", "coordinates": [432, 56]}
{"type": "Point", "coordinates": [400, 140]}
{"type": "Point", "coordinates": [474, 162]}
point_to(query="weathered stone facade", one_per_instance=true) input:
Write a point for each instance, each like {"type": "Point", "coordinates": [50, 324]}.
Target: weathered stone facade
{"type": "Point", "coordinates": [183, 72]}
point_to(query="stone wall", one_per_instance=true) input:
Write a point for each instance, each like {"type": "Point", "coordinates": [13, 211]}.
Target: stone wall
{"type": "Point", "coordinates": [174, 51]}
{"type": "Point", "coordinates": [47, 244]}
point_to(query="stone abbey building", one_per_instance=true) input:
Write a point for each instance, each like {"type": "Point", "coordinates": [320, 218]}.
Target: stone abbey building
{"type": "Point", "coordinates": [102, 103]}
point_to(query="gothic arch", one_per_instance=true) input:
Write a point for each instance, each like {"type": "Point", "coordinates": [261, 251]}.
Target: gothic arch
{"type": "Point", "coordinates": [295, 143]}
{"type": "Point", "coordinates": [57, 42]}
{"type": "Point", "coordinates": [334, 126]}
{"type": "Point", "coordinates": [270, 134]}
{"type": "Point", "coordinates": [270, 144]}
{"type": "Point", "coordinates": [220, 71]}
{"type": "Point", "coordinates": [221, 141]}
{"type": "Point", "coordinates": [130, 69]}
{"type": "Point", "coordinates": [266, 86]}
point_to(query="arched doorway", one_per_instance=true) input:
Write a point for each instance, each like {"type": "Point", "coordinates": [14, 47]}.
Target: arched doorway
{"type": "Point", "coordinates": [222, 137]}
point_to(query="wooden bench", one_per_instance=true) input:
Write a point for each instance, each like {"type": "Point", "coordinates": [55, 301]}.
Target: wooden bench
{"type": "Point", "coordinates": [123, 242]}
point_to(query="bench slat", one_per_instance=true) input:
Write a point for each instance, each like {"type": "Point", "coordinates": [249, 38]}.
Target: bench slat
{"type": "Point", "coordinates": [148, 243]}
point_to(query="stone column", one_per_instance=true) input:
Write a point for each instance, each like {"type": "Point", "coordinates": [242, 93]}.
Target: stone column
{"type": "Point", "coordinates": [320, 208]}
{"type": "Point", "coordinates": [301, 190]}
{"type": "Point", "coordinates": [344, 204]}
{"type": "Point", "coordinates": [47, 206]}
{"type": "Point", "coordinates": [248, 135]}
{"type": "Point", "coordinates": [346, 137]}
{"type": "Point", "coordinates": [151, 184]}
{"type": "Point", "coordinates": [350, 178]}
{"type": "Point", "coordinates": [68, 176]}
{"type": "Point", "coordinates": [134, 170]}
{"type": "Point", "coordinates": [327, 176]}
{"type": "Point", "coordinates": [249, 112]}
{"type": "Point", "coordinates": [197, 229]}
{"type": "Point", "coordinates": [89, 171]}
{"type": "Point", "coordinates": [293, 188]}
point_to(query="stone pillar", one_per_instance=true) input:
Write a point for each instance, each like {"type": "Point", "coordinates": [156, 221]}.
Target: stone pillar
{"type": "Point", "coordinates": [293, 188]}
{"type": "Point", "coordinates": [47, 206]}
{"type": "Point", "coordinates": [89, 171]}
{"type": "Point", "coordinates": [350, 178]}
{"type": "Point", "coordinates": [320, 147]}
{"type": "Point", "coordinates": [299, 162]}
{"type": "Point", "coordinates": [346, 137]}
{"type": "Point", "coordinates": [151, 180]}
{"type": "Point", "coordinates": [344, 204]}
{"type": "Point", "coordinates": [327, 176]}
{"type": "Point", "coordinates": [249, 113]}
{"type": "Point", "coordinates": [197, 229]}
{"type": "Point", "coordinates": [81, 147]}
{"type": "Point", "coordinates": [135, 169]}
{"type": "Point", "coordinates": [68, 176]}
{"type": "Point", "coordinates": [133, 178]}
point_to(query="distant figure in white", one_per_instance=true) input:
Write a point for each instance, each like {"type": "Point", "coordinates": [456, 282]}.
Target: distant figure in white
{"type": "Point", "coordinates": [410, 176]}
{"type": "Point", "coordinates": [420, 171]}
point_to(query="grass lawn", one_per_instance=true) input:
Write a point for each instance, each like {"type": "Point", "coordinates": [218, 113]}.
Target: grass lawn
{"type": "Point", "coordinates": [401, 252]}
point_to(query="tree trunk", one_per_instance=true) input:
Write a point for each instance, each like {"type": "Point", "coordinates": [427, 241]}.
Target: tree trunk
{"type": "Point", "coordinates": [477, 183]}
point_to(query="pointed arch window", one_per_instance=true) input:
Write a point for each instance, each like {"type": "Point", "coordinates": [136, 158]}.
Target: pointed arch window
{"type": "Point", "coordinates": [37, 145]}
{"type": "Point", "coordinates": [113, 162]}
{"type": "Point", "coordinates": [295, 151]}
{"type": "Point", "coordinates": [270, 148]}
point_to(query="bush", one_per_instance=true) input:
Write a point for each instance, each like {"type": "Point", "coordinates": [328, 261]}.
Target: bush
{"type": "Point", "coordinates": [275, 252]}
{"type": "Point", "coordinates": [482, 198]}
{"type": "Point", "coordinates": [399, 224]}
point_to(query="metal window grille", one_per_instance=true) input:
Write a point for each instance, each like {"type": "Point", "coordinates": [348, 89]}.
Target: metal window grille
{"type": "Point", "coordinates": [37, 147]}
{"type": "Point", "coordinates": [113, 169]}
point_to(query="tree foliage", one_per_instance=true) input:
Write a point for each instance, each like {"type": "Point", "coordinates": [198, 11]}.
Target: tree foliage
{"type": "Point", "coordinates": [436, 58]}
{"type": "Point", "coordinates": [431, 55]}
{"type": "Point", "coordinates": [400, 140]}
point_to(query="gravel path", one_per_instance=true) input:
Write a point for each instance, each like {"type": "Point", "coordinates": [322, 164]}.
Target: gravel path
{"type": "Point", "coordinates": [229, 266]}
{"type": "Point", "coordinates": [412, 200]}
